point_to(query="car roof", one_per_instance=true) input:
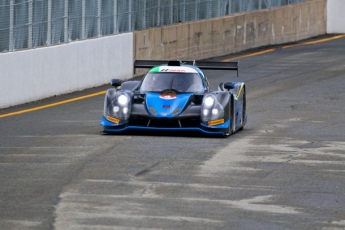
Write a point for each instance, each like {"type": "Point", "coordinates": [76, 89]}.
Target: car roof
{"type": "Point", "coordinates": [173, 69]}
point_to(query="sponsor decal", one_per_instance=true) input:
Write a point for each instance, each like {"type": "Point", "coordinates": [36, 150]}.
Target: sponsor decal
{"type": "Point", "coordinates": [216, 122]}
{"type": "Point", "coordinates": [168, 95]}
{"type": "Point", "coordinates": [173, 70]}
{"type": "Point", "coordinates": [113, 119]}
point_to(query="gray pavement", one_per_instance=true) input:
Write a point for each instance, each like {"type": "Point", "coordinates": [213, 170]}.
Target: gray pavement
{"type": "Point", "coordinates": [285, 170]}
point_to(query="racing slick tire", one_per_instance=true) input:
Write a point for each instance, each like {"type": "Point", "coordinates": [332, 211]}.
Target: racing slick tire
{"type": "Point", "coordinates": [243, 109]}
{"type": "Point", "coordinates": [231, 112]}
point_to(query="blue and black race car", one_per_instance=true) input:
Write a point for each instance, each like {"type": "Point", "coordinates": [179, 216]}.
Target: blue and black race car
{"type": "Point", "coordinates": [175, 96]}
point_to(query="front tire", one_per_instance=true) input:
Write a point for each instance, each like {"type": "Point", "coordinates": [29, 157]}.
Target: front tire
{"type": "Point", "coordinates": [244, 109]}
{"type": "Point", "coordinates": [229, 130]}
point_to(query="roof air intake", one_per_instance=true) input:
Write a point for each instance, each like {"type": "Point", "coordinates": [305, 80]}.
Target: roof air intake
{"type": "Point", "coordinates": [174, 63]}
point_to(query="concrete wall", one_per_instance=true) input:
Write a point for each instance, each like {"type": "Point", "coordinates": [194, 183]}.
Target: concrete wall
{"type": "Point", "coordinates": [335, 16]}
{"type": "Point", "coordinates": [40, 73]}
{"type": "Point", "coordinates": [230, 34]}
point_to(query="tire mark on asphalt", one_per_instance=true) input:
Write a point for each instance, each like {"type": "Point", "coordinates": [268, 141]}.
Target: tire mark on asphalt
{"type": "Point", "coordinates": [147, 170]}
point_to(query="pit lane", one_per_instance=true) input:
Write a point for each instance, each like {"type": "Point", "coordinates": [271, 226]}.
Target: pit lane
{"type": "Point", "coordinates": [283, 171]}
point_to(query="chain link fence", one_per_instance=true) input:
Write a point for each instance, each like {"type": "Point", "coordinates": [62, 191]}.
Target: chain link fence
{"type": "Point", "coordinates": [26, 24]}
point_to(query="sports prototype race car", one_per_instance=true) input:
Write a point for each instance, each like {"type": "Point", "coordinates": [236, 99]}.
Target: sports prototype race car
{"type": "Point", "coordinates": [175, 96]}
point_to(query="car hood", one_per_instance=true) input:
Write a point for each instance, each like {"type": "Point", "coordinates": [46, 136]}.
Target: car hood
{"type": "Point", "coordinates": [167, 104]}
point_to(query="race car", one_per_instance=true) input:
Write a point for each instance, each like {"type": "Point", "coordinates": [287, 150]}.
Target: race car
{"type": "Point", "coordinates": [175, 96]}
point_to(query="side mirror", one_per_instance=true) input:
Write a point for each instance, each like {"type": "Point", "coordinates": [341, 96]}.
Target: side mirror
{"type": "Point", "coordinates": [116, 82]}
{"type": "Point", "coordinates": [229, 86]}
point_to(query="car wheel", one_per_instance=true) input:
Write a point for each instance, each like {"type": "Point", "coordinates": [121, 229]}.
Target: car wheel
{"type": "Point", "coordinates": [243, 109]}
{"type": "Point", "coordinates": [229, 130]}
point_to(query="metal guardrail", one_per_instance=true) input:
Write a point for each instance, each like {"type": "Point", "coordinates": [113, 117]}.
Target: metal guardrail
{"type": "Point", "coordinates": [27, 24]}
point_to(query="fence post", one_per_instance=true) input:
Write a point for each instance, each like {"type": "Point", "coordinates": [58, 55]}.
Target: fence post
{"type": "Point", "coordinates": [269, 4]}
{"type": "Point", "coordinates": [11, 37]}
{"type": "Point", "coordinates": [30, 15]}
{"type": "Point", "coordinates": [159, 13]}
{"type": "Point", "coordinates": [208, 10]}
{"type": "Point", "coordinates": [229, 7]}
{"type": "Point", "coordinates": [130, 15]}
{"type": "Point", "coordinates": [83, 21]}
{"type": "Point", "coordinates": [115, 18]}
{"type": "Point", "coordinates": [66, 36]}
{"type": "Point", "coordinates": [196, 10]}
{"type": "Point", "coordinates": [49, 23]}
{"type": "Point", "coordinates": [171, 11]}
{"type": "Point", "coordinates": [183, 19]}
{"type": "Point", "coordinates": [144, 15]}
{"type": "Point", "coordinates": [99, 21]}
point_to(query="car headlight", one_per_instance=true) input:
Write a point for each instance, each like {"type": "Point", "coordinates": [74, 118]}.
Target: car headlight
{"type": "Point", "coordinates": [120, 107]}
{"type": "Point", "coordinates": [122, 99]}
{"type": "Point", "coordinates": [215, 112]}
{"type": "Point", "coordinates": [211, 108]}
{"type": "Point", "coordinates": [116, 109]}
{"type": "Point", "coordinates": [209, 101]}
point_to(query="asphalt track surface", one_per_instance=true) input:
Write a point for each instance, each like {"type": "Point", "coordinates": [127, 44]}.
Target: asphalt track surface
{"type": "Point", "coordinates": [285, 170]}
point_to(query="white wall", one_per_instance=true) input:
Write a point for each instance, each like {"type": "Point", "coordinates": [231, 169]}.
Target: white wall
{"type": "Point", "coordinates": [335, 16]}
{"type": "Point", "coordinates": [35, 74]}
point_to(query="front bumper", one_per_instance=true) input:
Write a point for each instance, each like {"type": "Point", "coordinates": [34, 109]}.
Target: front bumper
{"type": "Point", "coordinates": [110, 127]}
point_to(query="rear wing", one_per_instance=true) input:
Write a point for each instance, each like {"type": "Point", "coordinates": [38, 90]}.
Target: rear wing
{"type": "Point", "coordinates": [204, 65]}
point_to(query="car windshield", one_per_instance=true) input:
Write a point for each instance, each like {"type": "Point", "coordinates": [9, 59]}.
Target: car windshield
{"type": "Point", "coordinates": [181, 82]}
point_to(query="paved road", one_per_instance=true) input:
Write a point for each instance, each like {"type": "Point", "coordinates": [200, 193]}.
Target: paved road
{"type": "Point", "coordinates": [285, 170]}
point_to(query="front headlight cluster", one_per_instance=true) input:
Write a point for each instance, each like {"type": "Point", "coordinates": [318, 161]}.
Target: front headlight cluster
{"type": "Point", "coordinates": [211, 109]}
{"type": "Point", "coordinates": [120, 106]}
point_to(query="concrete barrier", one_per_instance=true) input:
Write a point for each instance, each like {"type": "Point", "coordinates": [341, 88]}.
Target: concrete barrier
{"type": "Point", "coordinates": [230, 34]}
{"type": "Point", "coordinates": [41, 73]}
{"type": "Point", "coordinates": [335, 16]}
